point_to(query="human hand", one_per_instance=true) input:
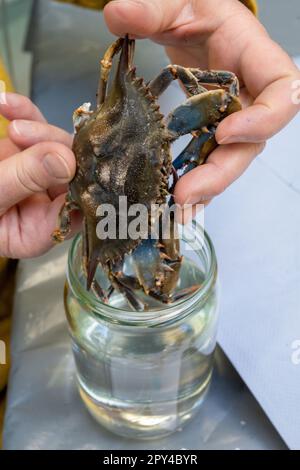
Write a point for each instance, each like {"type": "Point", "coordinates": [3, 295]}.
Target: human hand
{"type": "Point", "coordinates": [220, 36]}
{"type": "Point", "coordinates": [36, 164]}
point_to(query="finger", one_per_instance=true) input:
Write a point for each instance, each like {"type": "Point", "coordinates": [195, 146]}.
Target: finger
{"type": "Point", "coordinates": [271, 111]}
{"type": "Point", "coordinates": [18, 227]}
{"type": "Point", "coordinates": [27, 133]}
{"type": "Point", "coordinates": [14, 106]}
{"type": "Point", "coordinates": [175, 22]}
{"type": "Point", "coordinates": [223, 167]}
{"type": "Point", "coordinates": [56, 191]}
{"type": "Point", "coordinates": [49, 215]}
{"type": "Point", "coordinates": [33, 171]}
{"type": "Point", "coordinates": [186, 213]}
{"type": "Point", "coordinates": [142, 18]}
{"type": "Point", "coordinates": [273, 87]}
{"type": "Point", "coordinates": [7, 148]}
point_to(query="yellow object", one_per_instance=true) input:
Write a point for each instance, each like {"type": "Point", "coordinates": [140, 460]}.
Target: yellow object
{"type": "Point", "coordinates": [97, 4]}
{"type": "Point", "coordinates": [252, 5]}
{"type": "Point", "coordinates": [5, 85]}
{"type": "Point", "coordinates": [100, 4]}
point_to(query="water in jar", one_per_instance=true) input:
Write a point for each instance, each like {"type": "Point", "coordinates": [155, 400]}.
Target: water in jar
{"type": "Point", "coordinates": [144, 381]}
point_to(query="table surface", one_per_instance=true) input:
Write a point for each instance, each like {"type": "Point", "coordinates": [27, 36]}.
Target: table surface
{"type": "Point", "coordinates": [44, 410]}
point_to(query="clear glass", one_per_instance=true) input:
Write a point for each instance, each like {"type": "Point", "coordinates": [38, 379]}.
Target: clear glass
{"type": "Point", "coordinates": [145, 374]}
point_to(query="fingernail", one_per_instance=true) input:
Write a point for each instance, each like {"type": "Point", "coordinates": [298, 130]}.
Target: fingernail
{"type": "Point", "coordinates": [22, 127]}
{"type": "Point", "coordinates": [197, 200]}
{"type": "Point", "coordinates": [225, 140]}
{"type": "Point", "coordinates": [56, 166]}
{"type": "Point", "coordinates": [9, 99]}
{"type": "Point", "coordinates": [3, 99]}
{"type": "Point", "coordinates": [232, 139]}
{"type": "Point", "coordinates": [190, 200]}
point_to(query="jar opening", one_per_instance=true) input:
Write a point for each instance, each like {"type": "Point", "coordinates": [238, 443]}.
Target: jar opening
{"type": "Point", "coordinates": [199, 263]}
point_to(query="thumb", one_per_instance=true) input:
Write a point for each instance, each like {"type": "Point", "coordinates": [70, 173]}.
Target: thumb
{"type": "Point", "coordinates": [142, 18]}
{"type": "Point", "coordinates": [35, 170]}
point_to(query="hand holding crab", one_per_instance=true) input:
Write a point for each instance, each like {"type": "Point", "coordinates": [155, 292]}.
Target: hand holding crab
{"type": "Point", "coordinates": [218, 35]}
{"type": "Point", "coordinates": [201, 115]}
{"type": "Point", "coordinates": [122, 149]}
{"type": "Point", "coordinates": [210, 35]}
{"type": "Point", "coordinates": [36, 164]}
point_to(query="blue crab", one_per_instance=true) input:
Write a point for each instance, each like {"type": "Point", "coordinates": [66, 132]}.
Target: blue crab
{"type": "Point", "coordinates": [123, 149]}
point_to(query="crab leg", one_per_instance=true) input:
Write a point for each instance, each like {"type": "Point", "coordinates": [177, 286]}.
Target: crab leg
{"type": "Point", "coordinates": [201, 111]}
{"type": "Point", "coordinates": [170, 298]}
{"type": "Point", "coordinates": [157, 267]}
{"type": "Point", "coordinates": [218, 78]}
{"type": "Point", "coordinates": [106, 65]}
{"type": "Point", "coordinates": [193, 79]}
{"type": "Point", "coordinates": [196, 152]}
{"type": "Point", "coordinates": [85, 257]}
{"type": "Point", "coordinates": [126, 285]}
{"type": "Point", "coordinates": [64, 220]}
{"type": "Point", "coordinates": [175, 72]}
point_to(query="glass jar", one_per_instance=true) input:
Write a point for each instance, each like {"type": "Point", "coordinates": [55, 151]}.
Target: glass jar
{"type": "Point", "coordinates": [145, 374]}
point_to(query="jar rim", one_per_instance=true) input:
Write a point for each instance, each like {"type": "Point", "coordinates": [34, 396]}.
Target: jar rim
{"type": "Point", "coordinates": [155, 317]}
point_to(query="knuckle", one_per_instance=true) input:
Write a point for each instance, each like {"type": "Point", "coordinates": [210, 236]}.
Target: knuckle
{"type": "Point", "coordinates": [42, 148]}
{"type": "Point", "coordinates": [4, 243]}
{"type": "Point", "coordinates": [26, 103]}
{"type": "Point", "coordinates": [219, 186]}
{"type": "Point", "coordinates": [5, 250]}
{"type": "Point", "coordinates": [30, 110]}
{"type": "Point", "coordinates": [27, 172]}
{"type": "Point", "coordinates": [30, 105]}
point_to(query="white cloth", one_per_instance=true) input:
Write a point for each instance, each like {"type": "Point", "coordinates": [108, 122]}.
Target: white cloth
{"type": "Point", "coordinates": [255, 227]}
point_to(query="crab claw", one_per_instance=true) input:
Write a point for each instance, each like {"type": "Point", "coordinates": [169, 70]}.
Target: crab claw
{"type": "Point", "coordinates": [194, 153]}
{"type": "Point", "coordinates": [147, 264]}
{"type": "Point", "coordinates": [201, 111]}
